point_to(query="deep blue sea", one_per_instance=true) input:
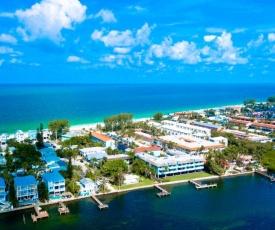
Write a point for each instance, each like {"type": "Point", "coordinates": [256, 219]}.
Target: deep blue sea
{"type": "Point", "coordinates": [244, 202]}
{"type": "Point", "coordinates": [26, 106]}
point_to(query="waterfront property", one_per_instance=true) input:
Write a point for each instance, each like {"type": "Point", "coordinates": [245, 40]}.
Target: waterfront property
{"type": "Point", "coordinates": [26, 190]}
{"type": "Point", "coordinates": [175, 128]}
{"type": "Point", "coordinates": [54, 182]}
{"type": "Point", "coordinates": [130, 179]}
{"type": "Point", "coordinates": [87, 187]}
{"type": "Point", "coordinates": [67, 136]}
{"type": "Point", "coordinates": [124, 157]}
{"type": "Point", "coordinates": [46, 134]}
{"type": "Point", "coordinates": [188, 144]}
{"type": "Point", "coordinates": [249, 136]}
{"type": "Point", "coordinates": [217, 128]}
{"type": "Point", "coordinates": [3, 140]}
{"type": "Point", "coordinates": [262, 127]}
{"type": "Point", "coordinates": [173, 165]}
{"type": "Point", "coordinates": [19, 136]}
{"type": "Point", "coordinates": [147, 138]}
{"type": "Point", "coordinates": [220, 140]}
{"type": "Point", "coordinates": [93, 152]}
{"type": "Point", "coordinates": [3, 193]}
{"type": "Point", "coordinates": [104, 139]}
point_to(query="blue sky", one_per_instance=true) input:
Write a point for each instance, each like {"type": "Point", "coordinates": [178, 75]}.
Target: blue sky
{"type": "Point", "coordinates": [84, 41]}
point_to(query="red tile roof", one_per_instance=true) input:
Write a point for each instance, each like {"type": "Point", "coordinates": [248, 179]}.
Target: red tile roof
{"type": "Point", "coordinates": [101, 136]}
{"type": "Point", "coordinates": [239, 121]}
{"type": "Point", "coordinates": [148, 149]}
{"type": "Point", "coordinates": [263, 125]}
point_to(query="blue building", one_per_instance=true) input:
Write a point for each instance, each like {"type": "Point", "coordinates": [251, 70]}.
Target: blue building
{"type": "Point", "coordinates": [26, 190]}
{"type": "Point", "coordinates": [54, 182]}
{"type": "Point", "coordinates": [3, 193]}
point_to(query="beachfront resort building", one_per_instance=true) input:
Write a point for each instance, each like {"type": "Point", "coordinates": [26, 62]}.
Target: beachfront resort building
{"type": "Point", "coordinates": [249, 136]}
{"type": "Point", "coordinates": [175, 128]}
{"type": "Point", "coordinates": [173, 165]}
{"type": "Point", "coordinates": [54, 182]}
{"type": "Point", "coordinates": [188, 144]}
{"type": "Point", "coordinates": [213, 127]}
{"type": "Point", "coordinates": [104, 139]}
{"type": "Point", "coordinates": [87, 187]}
{"type": "Point", "coordinates": [145, 137]}
{"type": "Point", "coordinates": [26, 190]}
{"type": "Point", "coordinates": [153, 150]}
{"type": "Point", "coordinates": [19, 136]}
{"type": "Point", "coordinates": [3, 193]}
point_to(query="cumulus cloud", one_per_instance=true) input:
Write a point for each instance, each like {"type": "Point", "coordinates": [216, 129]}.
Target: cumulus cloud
{"type": "Point", "coordinates": [256, 43]}
{"type": "Point", "coordinates": [6, 50]}
{"type": "Point", "coordinates": [122, 50]}
{"type": "Point", "coordinates": [48, 18]}
{"type": "Point", "coordinates": [223, 51]}
{"type": "Point", "coordinates": [209, 38]}
{"type": "Point", "coordinates": [125, 38]}
{"type": "Point", "coordinates": [1, 61]}
{"type": "Point", "coordinates": [118, 59]}
{"type": "Point", "coordinates": [184, 51]}
{"type": "Point", "coordinates": [106, 15]}
{"type": "Point", "coordinates": [271, 37]}
{"type": "Point", "coordinates": [8, 39]}
{"type": "Point", "coordinates": [137, 8]}
{"type": "Point", "coordinates": [76, 59]}
{"type": "Point", "coordinates": [16, 61]}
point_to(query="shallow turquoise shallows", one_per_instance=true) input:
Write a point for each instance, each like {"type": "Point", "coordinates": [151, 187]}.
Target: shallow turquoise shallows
{"type": "Point", "coordinates": [244, 202]}
{"type": "Point", "coordinates": [26, 106]}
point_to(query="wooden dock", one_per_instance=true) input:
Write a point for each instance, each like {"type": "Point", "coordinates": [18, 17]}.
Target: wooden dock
{"type": "Point", "coordinates": [162, 192]}
{"type": "Point", "coordinates": [100, 205]}
{"type": "Point", "coordinates": [272, 179]}
{"type": "Point", "coordinates": [39, 214]}
{"type": "Point", "coordinates": [202, 186]}
{"type": "Point", "coordinates": [62, 208]}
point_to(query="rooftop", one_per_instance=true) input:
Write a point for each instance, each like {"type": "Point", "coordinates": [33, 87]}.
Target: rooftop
{"type": "Point", "coordinates": [101, 136]}
{"type": "Point", "coordinates": [209, 125]}
{"type": "Point", "coordinates": [25, 181]}
{"type": "Point", "coordinates": [148, 149]}
{"type": "Point", "coordinates": [2, 182]}
{"type": "Point", "coordinates": [54, 176]}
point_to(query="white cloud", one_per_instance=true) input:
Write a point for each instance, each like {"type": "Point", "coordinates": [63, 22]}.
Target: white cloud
{"type": "Point", "coordinates": [117, 60]}
{"type": "Point", "coordinates": [137, 8]}
{"type": "Point", "coordinates": [76, 59]}
{"type": "Point", "coordinates": [6, 15]}
{"type": "Point", "coordinates": [48, 18]}
{"type": "Point", "coordinates": [215, 30]}
{"type": "Point", "coordinates": [209, 38]}
{"type": "Point", "coordinates": [271, 37]}
{"type": "Point", "coordinates": [106, 15]}
{"type": "Point", "coordinates": [8, 39]}
{"type": "Point", "coordinates": [124, 38]}
{"type": "Point", "coordinates": [223, 51]}
{"type": "Point", "coordinates": [16, 61]}
{"type": "Point", "coordinates": [185, 51]}
{"type": "Point", "coordinates": [256, 43]}
{"type": "Point", "coordinates": [5, 50]}
{"type": "Point", "coordinates": [122, 50]}
{"type": "Point", "coordinates": [1, 61]}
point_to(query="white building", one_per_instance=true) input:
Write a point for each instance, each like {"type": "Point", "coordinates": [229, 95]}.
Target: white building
{"type": "Point", "coordinates": [3, 140]}
{"type": "Point", "coordinates": [104, 139]}
{"type": "Point", "coordinates": [175, 128]}
{"type": "Point", "coordinates": [46, 134]}
{"type": "Point", "coordinates": [220, 140]}
{"type": "Point", "coordinates": [19, 136]}
{"type": "Point", "coordinates": [87, 187]}
{"type": "Point", "coordinates": [130, 179]}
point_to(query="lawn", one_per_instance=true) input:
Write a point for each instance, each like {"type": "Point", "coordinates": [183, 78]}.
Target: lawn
{"type": "Point", "coordinates": [140, 184]}
{"type": "Point", "coordinates": [188, 176]}
{"type": "Point", "coordinates": [269, 160]}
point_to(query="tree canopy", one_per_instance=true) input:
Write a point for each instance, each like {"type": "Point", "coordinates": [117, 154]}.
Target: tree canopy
{"type": "Point", "coordinates": [116, 122]}
{"type": "Point", "coordinates": [158, 116]}
{"type": "Point", "coordinates": [271, 99]}
{"type": "Point", "coordinates": [57, 126]}
{"type": "Point", "coordinates": [113, 167]}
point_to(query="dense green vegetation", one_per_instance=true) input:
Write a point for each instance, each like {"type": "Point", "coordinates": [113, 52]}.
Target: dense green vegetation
{"type": "Point", "coordinates": [58, 127]}
{"type": "Point", "coordinates": [158, 116]}
{"type": "Point", "coordinates": [118, 122]}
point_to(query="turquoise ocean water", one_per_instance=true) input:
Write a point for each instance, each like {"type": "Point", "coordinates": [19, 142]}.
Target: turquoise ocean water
{"type": "Point", "coordinates": [244, 202]}
{"type": "Point", "coordinates": [26, 106]}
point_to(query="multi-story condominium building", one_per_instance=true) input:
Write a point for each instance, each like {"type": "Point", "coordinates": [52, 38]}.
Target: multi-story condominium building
{"type": "Point", "coordinates": [3, 140]}
{"type": "Point", "coordinates": [104, 139]}
{"type": "Point", "coordinates": [172, 165]}
{"type": "Point", "coordinates": [54, 182]}
{"type": "Point", "coordinates": [3, 193]}
{"type": "Point", "coordinates": [175, 128]}
{"type": "Point", "coordinates": [26, 189]}
{"type": "Point", "coordinates": [19, 136]}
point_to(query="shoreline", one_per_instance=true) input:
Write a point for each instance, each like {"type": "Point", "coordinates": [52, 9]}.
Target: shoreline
{"type": "Point", "coordinates": [131, 189]}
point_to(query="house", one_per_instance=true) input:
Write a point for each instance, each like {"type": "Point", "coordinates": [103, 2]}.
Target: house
{"type": "Point", "coordinates": [93, 152]}
{"type": "Point", "coordinates": [87, 187]}
{"type": "Point", "coordinates": [19, 136]}
{"type": "Point", "coordinates": [3, 140]}
{"type": "Point", "coordinates": [68, 136]}
{"type": "Point", "coordinates": [155, 150]}
{"type": "Point", "coordinates": [130, 179]}
{"type": "Point", "coordinates": [172, 165]}
{"type": "Point", "coordinates": [124, 157]}
{"type": "Point", "coordinates": [54, 182]}
{"type": "Point", "coordinates": [3, 193]}
{"type": "Point", "coordinates": [144, 137]}
{"type": "Point", "coordinates": [104, 139]}
{"type": "Point", "coordinates": [26, 190]}
{"type": "Point", "coordinates": [32, 134]}
{"type": "Point", "coordinates": [49, 156]}
{"type": "Point", "coordinates": [46, 134]}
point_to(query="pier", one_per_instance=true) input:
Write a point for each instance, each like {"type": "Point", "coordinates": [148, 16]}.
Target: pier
{"type": "Point", "coordinates": [202, 186]}
{"type": "Point", "coordinates": [272, 179]}
{"type": "Point", "coordinates": [63, 209]}
{"type": "Point", "coordinates": [162, 192]}
{"type": "Point", "coordinates": [39, 214]}
{"type": "Point", "coordinates": [100, 205]}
